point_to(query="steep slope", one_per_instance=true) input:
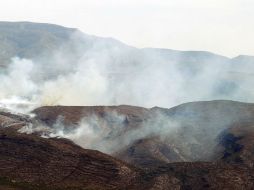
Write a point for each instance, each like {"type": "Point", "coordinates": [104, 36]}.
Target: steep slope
{"type": "Point", "coordinates": [35, 162]}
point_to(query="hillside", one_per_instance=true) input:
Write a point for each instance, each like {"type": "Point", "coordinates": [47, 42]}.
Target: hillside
{"type": "Point", "coordinates": [29, 161]}
{"type": "Point", "coordinates": [151, 137]}
{"type": "Point", "coordinates": [82, 112]}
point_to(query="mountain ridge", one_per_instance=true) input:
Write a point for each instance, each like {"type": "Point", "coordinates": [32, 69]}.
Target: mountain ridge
{"type": "Point", "coordinates": [21, 25]}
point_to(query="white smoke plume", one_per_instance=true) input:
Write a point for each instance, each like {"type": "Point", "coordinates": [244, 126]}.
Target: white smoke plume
{"type": "Point", "coordinates": [193, 134]}
{"type": "Point", "coordinates": [106, 72]}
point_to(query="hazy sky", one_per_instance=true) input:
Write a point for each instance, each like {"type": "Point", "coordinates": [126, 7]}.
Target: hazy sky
{"type": "Point", "coordinates": [221, 26]}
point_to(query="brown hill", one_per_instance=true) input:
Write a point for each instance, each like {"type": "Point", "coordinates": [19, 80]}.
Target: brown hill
{"type": "Point", "coordinates": [56, 163]}
{"type": "Point", "coordinates": [148, 137]}
{"type": "Point", "coordinates": [29, 161]}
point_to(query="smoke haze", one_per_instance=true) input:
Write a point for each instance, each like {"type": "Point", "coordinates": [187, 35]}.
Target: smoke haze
{"type": "Point", "coordinates": [107, 72]}
{"type": "Point", "coordinates": [87, 70]}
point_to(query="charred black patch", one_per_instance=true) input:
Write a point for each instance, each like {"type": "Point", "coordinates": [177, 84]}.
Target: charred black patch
{"type": "Point", "coordinates": [232, 147]}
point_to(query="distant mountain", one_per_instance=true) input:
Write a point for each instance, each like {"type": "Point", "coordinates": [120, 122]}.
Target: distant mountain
{"type": "Point", "coordinates": [32, 40]}
{"type": "Point", "coordinates": [59, 53]}
{"type": "Point", "coordinates": [29, 40]}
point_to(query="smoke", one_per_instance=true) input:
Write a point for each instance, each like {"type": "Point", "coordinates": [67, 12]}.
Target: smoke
{"type": "Point", "coordinates": [192, 131]}
{"type": "Point", "coordinates": [92, 132]}
{"type": "Point", "coordinates": [106, 72]}
{"type": "Point", "coordinates": [91, 71]}
{"type": "Point", "coordinates": [17, 81]}
{"type": "Point", "coordinates": [106, 134]}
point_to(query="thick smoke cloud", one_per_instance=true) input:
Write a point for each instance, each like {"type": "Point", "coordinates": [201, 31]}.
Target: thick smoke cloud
{"type": "Point", "coordinates": [106, 72]}
{"type": "Point", "coordinates": [108, 134]}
